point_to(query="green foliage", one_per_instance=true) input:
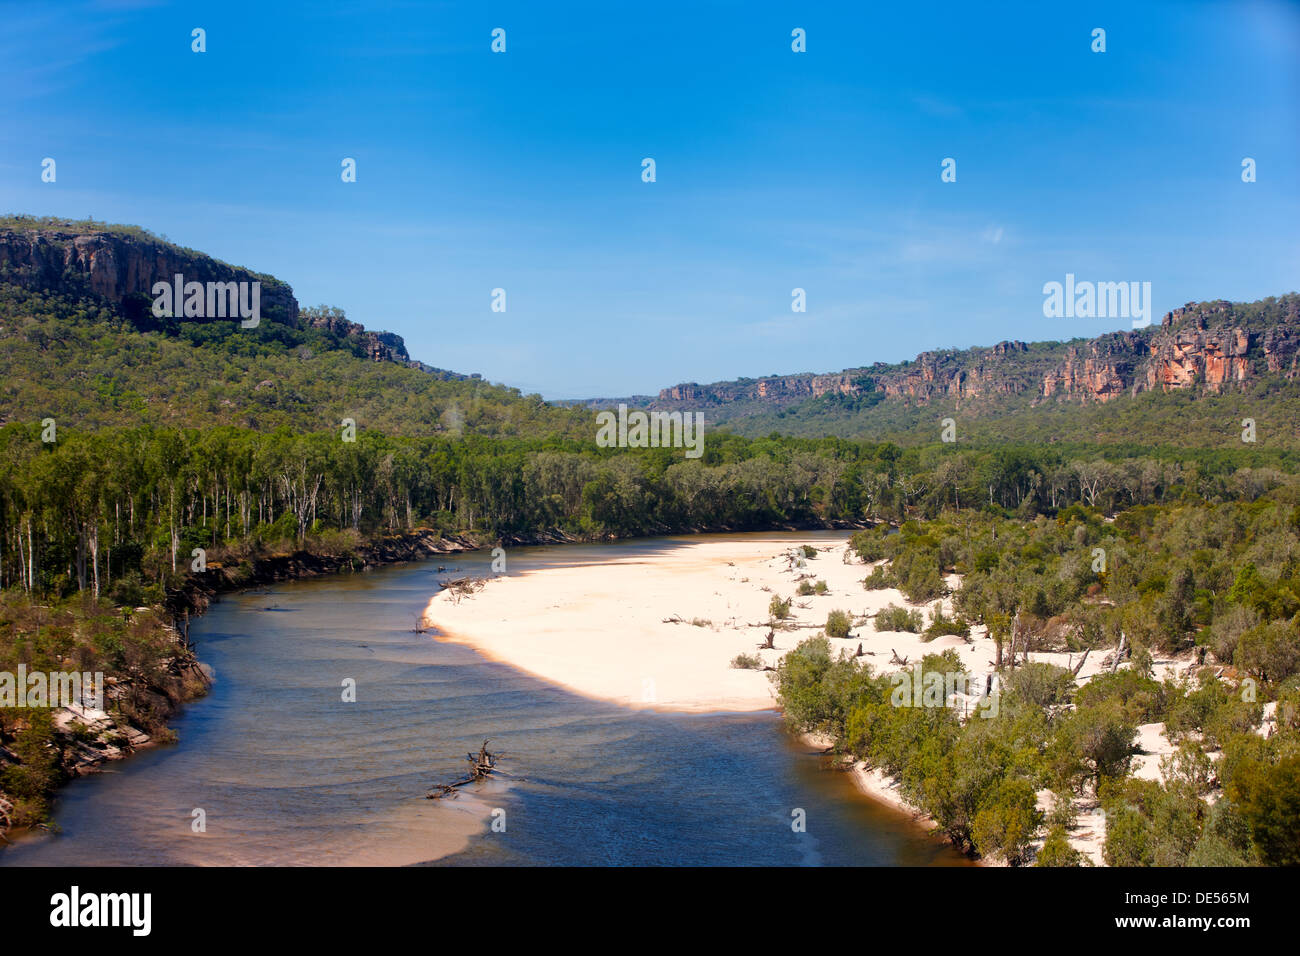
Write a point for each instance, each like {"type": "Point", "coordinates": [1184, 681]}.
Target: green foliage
{"type": "Point", "coordinates": [880, 578]}
{"type": "Point", "coordinates": [1269, 652]}
{"type": "Point", "coordinates": [1268, 798]}
{"type": "Point", "coordinates": [1006, 821]}
{"type": "Point", "coordinates": [1057, 851]}
{"type": "Point", "coordinates": [779, 609]}
{"type": "Point", "coordinates": [838, 623]}
{"type": "Point", "coordinates": [942, 625]}
{"type": "Point", "coordinates": [894, 618]}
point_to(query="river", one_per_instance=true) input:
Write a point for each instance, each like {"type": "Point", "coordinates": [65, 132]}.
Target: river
{"type": "Point", "coordinates": [278, 769]}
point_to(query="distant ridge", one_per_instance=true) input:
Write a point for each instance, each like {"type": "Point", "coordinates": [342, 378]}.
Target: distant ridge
{"type": "Point", "coordinates": [1209, 347]}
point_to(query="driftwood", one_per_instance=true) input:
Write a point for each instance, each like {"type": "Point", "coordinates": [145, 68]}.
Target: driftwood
{"type": "Point", "coordinates": [769, 642]}
{"type": "Point", "coordinates": [463, 587]}
{"type": "Point", "coordinates": [481, 766]}
{"type": "Point", "coordinates": [1119, 652]}
{"type": "Point", "coordinates": [1079, 666]}
{"type": "Point", "coordinates": [861, 652]}
{"type": "Point", "coordinates": [900, 661]}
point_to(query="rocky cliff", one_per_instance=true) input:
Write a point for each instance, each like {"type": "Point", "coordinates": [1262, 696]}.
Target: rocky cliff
{"type": "Point", "coordinates": [1212, 346]}
{"type": "Point", "coordinates": [115, 265]}
{"type": "Point", "coordinates": [120, 264]}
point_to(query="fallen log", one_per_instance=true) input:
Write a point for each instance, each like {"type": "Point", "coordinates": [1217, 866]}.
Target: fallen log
{"type": "Point", "coordinates": [482, 765]}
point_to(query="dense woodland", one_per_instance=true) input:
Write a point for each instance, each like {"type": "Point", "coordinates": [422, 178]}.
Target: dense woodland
{"type": "Point", "coordinates": [118, 512]}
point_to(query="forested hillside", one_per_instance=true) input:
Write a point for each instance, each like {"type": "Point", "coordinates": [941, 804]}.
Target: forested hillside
{"type": "Point", "coordinates": [79, 344]}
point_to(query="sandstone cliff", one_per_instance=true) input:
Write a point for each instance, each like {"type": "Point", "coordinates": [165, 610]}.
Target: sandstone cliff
{"type": "Point", "coordinates": [1211, 346]}
{"type": "Point", "coordinates": [115, 265]}
{"type": "Point", "coordinates": [120, 264]}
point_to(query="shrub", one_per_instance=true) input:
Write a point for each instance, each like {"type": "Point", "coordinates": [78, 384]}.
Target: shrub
{"type": "Point", "coordinates": [894, 618]}
{"type": "Point", "coordinates": [1141, 699]}
{"type": "Point", "coordinates": [779, 609]}
{"type": "Point", "coordinates": [804, 589]}
{"type": "Point", "coordinates": [1128, 838]}
{"type": "Point", "coordinates": [879, 579]}
{"type": "Point", "coordinates": [750, 662]}
{"type": "Point", "coordinates": [1270, 652]}
{"type": "Point", "coordinates": [1227, 629]}
{"type": "Point", "coordinates": [838, 624]}
{"type": "Point", "coordinates": [809, 551]}
{"type": "Point", "coordinates": [821, 587]}
{"type": "Point", "coordinates": [870, 545]}
{"type": "Point", "coordinates": [1269, 802]}
{"type": "Point", "coordinates": [941, 625]}
{"type": "Point", "coordinates": [1007, 821]}
{"type": "Point", "coordinates": [1040, 685]}
{"type": "Point", "coordinates": [1057, 851]}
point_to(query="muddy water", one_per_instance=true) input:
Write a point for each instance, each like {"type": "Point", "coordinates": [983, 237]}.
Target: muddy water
{"type": "Point", "coordinates": [285, 772]}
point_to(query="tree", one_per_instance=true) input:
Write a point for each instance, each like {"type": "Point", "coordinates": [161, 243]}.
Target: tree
{"type": "Point", "coordinates": [1268, 797]}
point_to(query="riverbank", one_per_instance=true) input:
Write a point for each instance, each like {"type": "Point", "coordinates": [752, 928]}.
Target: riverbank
{"type": "Point", "coordinates": [662, 632]}
{"type": "Point", "coordinates": [656, 633]}
{"type": "Point", "coordinates": [87, 740]}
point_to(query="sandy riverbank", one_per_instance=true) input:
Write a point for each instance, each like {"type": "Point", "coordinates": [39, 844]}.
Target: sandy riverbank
{"type": "Point", "coordinates": [660, 631]}
{"type": "Point", "coordinates": [600, 631]}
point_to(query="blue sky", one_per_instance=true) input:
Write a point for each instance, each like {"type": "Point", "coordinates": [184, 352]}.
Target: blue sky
{"type": "Point", "coordinates": [775, 169]}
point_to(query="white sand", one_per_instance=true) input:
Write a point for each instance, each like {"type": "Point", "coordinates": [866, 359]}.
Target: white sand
{"type": "Point", "coordinates": [599, 630]}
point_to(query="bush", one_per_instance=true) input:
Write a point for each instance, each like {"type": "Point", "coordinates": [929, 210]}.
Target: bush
{"type": "Point", "coordinates": [870, 545]}
{"type": "Point", "coordinates": [1141, 699]}
{"type": "Point", "coordinates": [804, 589]}
{"type": "Point", "coordinates": [838, 624]}
{"type": "Point", "coordinates": [778, 609]}
{"type": "Point", "coordinates": [1269, 652]}
{"type": "Point", "coordinates": [1040, 685]}
{"type": "Point", "coordinates": [1225, 839]}
{"type": "Point", "coordinates": [1128, 838]}
{"type": "Point", "coordinates": [894, 618]}
{"type": "Point", "coordinates": [941, 625]}
{"type": "Point", "coordinates": [1007, 821]}
{"type": "Point", "coordinates": [879, 579]}
{"type": "Point", "coordinates": [1227, 629]}
{"type": "Point", "coordinates": [817, 692]}
{"type": "Point", "coordinates": [809, 551]}
{"type": "Point", "coordinates": [1057, 851]}
{"type": "Point", "coordinates": [1269, 801]}
{"type": "Point", "coordinates": [821, 587]}
{"type": "Point", "coordinates": [1103, 737]}
{"type": "Point", "coordinates": [751, 662]}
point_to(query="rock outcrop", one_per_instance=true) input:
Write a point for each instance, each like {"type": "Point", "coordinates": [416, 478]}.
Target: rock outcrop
{"type": "Point", "coordinates": [1213, 346]}
{"type": "Point", "coordinates": [113, 266]}
{"type": "Point", "coordinates": [120, 264]}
